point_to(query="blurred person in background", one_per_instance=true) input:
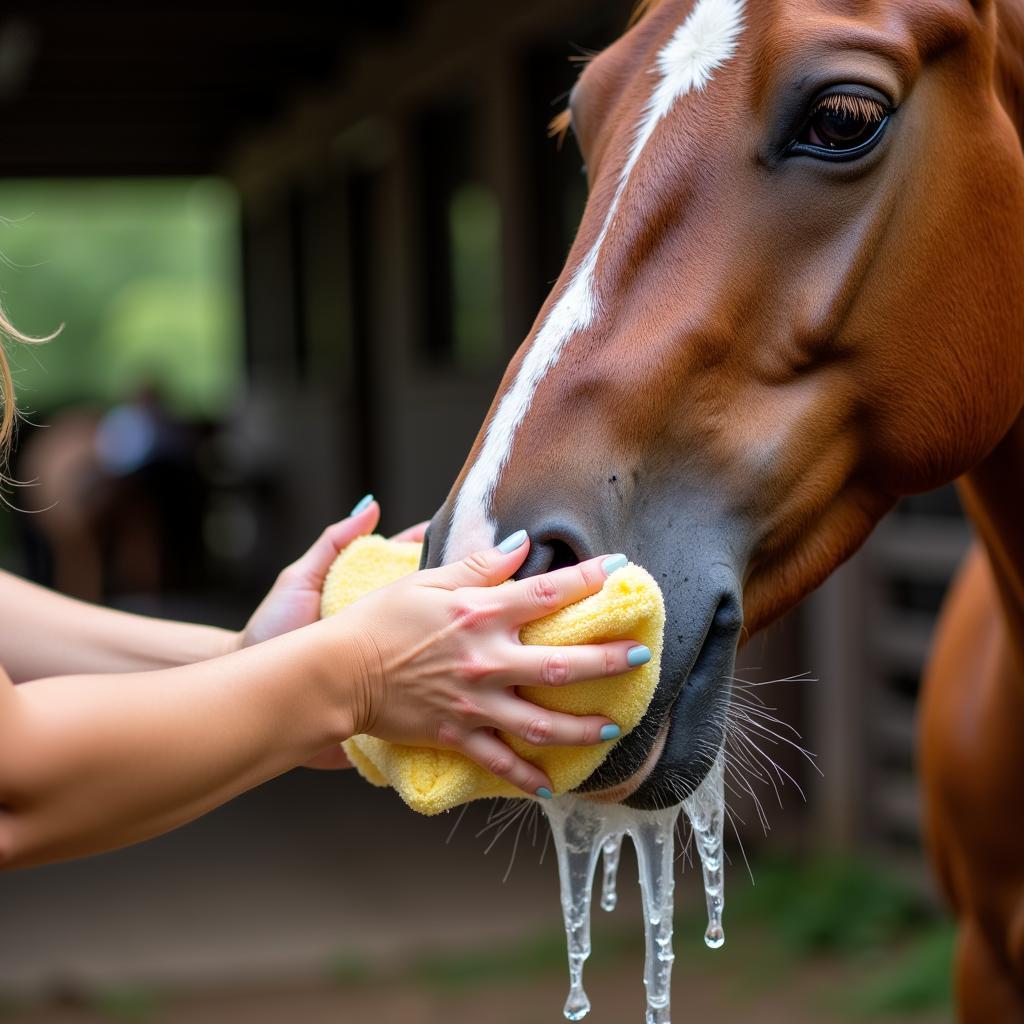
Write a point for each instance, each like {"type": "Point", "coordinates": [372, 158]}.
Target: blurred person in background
{"type": "Point", "coordinates": [117, 727]}
{"type": "Point", "coordinates": [115, 498]}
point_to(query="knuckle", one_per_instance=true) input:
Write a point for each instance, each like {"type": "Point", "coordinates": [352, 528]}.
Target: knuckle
{"type": "Point", "coordinates": [448, 734]}
{"type": "Point", "coordinates": [475, 670]}
{"type": "Point", "coordinates": [470, 616]}
{"type": "Point", "coordinates": [610, 666]}
{"type": "Point", "coordinates": [538, 731]}
{"type": "Point", "coordinates": [543, 592]}
{"type": "Point", "coordinates": [500, 765]}
{"type": "Point", "coordinates": [554, 669]}
{"type": "Point", "coordinates": [466, 710]}
{"type": "Point", "coordinates": [289, 575]}
{"type": "Point", "coordinates": [477, 563]}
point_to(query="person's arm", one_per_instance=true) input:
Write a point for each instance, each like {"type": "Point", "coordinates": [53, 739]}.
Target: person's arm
{"type": "Point", "coordinates": [47, 634]}
{"type": "Point", "coordinates": [93, 763]}
{"type": "Point", "coordinates": [44, 633]}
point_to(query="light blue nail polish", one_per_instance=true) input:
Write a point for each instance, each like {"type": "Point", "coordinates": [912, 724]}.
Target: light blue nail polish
{"type": "Point", "coordinates": [544, 793]}
{"type": "Point", "coordinates": [362, 505]}
{"type": "Point", "coordinates": [510, 543]}
{"type": "Point", "coordinates": [613, 562]}
{"type": "Point", "coordinates": [610, 732]}
{"type": "Point", "coordinates": [638, 656]}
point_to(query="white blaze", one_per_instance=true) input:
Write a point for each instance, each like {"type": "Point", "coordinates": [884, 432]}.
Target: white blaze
{"type": "Point", "coordinates": [705, 41]}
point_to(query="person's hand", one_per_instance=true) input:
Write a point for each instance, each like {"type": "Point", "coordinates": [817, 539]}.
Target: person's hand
{"type": "Point", "coordinates": [294, 599]}
{"type": "Point", "coordinates": [440, 659]}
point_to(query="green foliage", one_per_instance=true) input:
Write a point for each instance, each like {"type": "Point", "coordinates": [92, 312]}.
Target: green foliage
{"type": "Point", "coordinates": [833, 905]}
{"type": "Point", "coordinates": [350, 969]}
{"type": "Point", "coordinates": [143, 277]}
{"type": "Point", "coordinates": [919, 978]}
{"type": "Point", "coordinates": [130, 1003]}
{"type": "Point", "coordinates": [474, 968]}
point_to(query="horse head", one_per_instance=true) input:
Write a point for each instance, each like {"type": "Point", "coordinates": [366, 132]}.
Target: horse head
{"type": "Point", "coordinates": [794, 297]}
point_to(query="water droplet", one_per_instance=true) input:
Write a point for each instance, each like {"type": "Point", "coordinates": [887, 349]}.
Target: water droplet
{"type": "Point", "coordinates": [610, 851]}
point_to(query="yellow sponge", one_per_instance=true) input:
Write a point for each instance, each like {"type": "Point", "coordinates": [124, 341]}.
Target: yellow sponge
{"type": "Point", "coordinates": [629, 606]}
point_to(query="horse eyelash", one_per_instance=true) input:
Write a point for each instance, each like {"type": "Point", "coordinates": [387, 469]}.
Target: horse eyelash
{"type": "Point", "coordinates": [851, 105]}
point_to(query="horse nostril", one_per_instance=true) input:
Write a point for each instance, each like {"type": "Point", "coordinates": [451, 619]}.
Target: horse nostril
{"type": "Point", "coordinates": [562, 555]}
{"type": "Point", "coordinates": [546, 554]}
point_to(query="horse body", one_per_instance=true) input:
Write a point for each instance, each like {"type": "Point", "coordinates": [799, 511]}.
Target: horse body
{"type": "Point", "coordinates": [794, 298]}
{"type": "Point", "coordinates": [972, 743]}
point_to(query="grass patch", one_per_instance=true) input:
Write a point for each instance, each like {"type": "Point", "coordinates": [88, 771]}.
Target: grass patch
{"type": "Point", "coordinates": [351, 969]}
{"type": "Point", "coordinates": [135, 1004]}
{"type": "Point", "coordinates": [921, 979]}
{"type": "Point", "coordinates": [832, 906]}
{"type": "Point", "coordinates": [458, 971]}
{"type": "Point", "coordinates": [542, 955]}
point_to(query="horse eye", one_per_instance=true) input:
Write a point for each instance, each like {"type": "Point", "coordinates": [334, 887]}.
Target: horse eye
{"type": "Point", "coordinates": [842, 126]}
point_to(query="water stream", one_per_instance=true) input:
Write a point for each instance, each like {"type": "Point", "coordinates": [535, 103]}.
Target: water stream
{"type": "Point", "coordinates": [583, 829]}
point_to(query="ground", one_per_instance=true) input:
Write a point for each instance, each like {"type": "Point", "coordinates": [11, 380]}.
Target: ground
{"type": "Point", "coordinates": [279, 910]}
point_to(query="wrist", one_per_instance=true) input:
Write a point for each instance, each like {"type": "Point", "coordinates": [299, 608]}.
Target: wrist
{"type": "Point", "coordinates": [351, 671]}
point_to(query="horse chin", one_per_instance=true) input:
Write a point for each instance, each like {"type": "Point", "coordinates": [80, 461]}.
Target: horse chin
{"type": "Point", "coordinates": [680, 755]}
{"type": "Point", "coordinates": [664, 759]}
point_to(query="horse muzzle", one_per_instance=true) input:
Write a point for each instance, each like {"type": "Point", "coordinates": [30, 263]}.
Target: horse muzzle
{"type": "Point", "coordinates": [697, 560]}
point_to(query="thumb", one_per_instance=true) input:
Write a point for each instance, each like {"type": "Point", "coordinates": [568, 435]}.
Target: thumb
{"type": "Point", "coordinates": [485, 568]}
{"type": "Point", "coordinates": [313, 565]}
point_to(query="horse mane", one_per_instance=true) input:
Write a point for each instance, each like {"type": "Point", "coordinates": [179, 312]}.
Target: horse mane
{"type": "Point", "coordinates": [642, 9]}
{"type": "Point", "coordinates": [558, 126]}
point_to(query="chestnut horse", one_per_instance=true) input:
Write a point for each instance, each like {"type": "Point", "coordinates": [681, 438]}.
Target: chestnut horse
{"type": "Point", "coordinates": [795, 296]}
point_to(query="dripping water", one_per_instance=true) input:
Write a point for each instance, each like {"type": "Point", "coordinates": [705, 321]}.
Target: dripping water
{"type": "Point", "coordinates": [583, 829]}
{"type": "Point", "coordinates": [610, 852]}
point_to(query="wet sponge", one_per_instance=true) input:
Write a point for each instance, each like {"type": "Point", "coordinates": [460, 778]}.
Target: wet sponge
{"type": "Point", "coordinates": [629, 606]}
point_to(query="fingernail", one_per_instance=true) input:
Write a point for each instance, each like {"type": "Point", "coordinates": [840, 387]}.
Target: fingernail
{"type": "Point", "coordinates": [544, 793]}
{"type": "Point", "coordinates": [610, 732]}
{"type": "Point", "coordinates": [362, 504]}
{"type": "Point", "coordinates": [613, 562]}
{"type": "Point", "coordinates": [515, 540]}
{"type": "Point", "coordinates": [637, 656]}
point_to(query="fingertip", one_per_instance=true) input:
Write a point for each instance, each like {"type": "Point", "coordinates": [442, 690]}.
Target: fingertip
{"type": "Point", "coordinates": [637, 655]}
{"type": "Point", "coordinates": [612, 563]}
{"type": "Point", "coordinates": [514, 542]}
{"type": "Point", "coordinates": [364, 516]}
{"type": "Point", "coordinates": [544, 792]}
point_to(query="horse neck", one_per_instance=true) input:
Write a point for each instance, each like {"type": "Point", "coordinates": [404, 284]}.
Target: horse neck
{"type": "Point", "coordinates": [1010, 59]}
{"type": "Point", "coordinates": [993, 494]}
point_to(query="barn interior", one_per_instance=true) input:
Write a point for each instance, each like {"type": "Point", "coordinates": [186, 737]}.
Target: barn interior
{"type": "Point", "coordinates": [374, 213]}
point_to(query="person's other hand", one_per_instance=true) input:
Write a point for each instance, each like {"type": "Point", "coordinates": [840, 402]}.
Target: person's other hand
{"type": "Point", "coordinates": [294, 599]}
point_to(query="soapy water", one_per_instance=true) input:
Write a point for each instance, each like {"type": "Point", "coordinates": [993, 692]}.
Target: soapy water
{"type": "Point", "coordinates": [583, 829]}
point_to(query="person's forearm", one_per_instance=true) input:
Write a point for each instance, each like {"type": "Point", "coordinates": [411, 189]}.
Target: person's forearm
{"type": "Point", "coordinates": [46, 634]}
{"type": "Point", "coordinates": [90, 764]}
